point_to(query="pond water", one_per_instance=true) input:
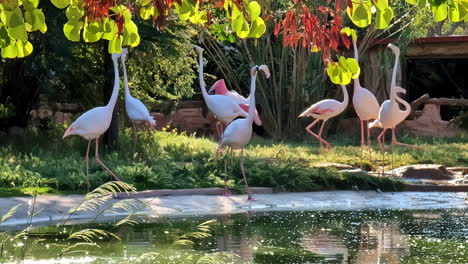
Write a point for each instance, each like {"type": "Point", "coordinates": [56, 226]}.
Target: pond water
{"type": "Point", "coordinates": [377, 236]}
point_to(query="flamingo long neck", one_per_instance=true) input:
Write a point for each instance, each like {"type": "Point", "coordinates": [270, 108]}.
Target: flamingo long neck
{"type": "Point", "coordinates": [115, 92]}
{"type": "Point", "coordinates": [357, 84]}
{"type": "Point", "coordinates": [250, 116]}
{"type": "Point", "coordinates": [127, 89]}
{"type": "Point", "coordinates": [346, 96]}
{"type": "Point", "coordinates": [407, 110]}
{"type": "Point", "coordinates": [202, 83]}
{"type": "Point", "coordinates": [393, 82]}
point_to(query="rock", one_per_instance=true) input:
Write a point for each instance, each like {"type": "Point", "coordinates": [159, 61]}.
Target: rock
{"type": "Point", "coordinates": [424, 171]}
{"type": "Point", "coordinates": [334, 165]}
{"type": "Point", "coordinates": [430, 124]}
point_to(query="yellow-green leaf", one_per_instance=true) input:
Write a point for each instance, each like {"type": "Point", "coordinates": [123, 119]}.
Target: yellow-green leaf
{"type": "Point", "coordinates": [383, 18]}
{"type": "Point", "coordinates": [91, 32]}
{"type": "Point", "coordinates": [34, 19]}
{"type": "Point", "coordinates": [23, 48]}
{"type": "Point", "coordinates": [115, 45]}
{"type": "Point", "coordinates": [258, 28]}
{"type": "Point", "coordinates": [353, 66]}
{"type": "Point", "coordinates": [361, 16]}
{"type": "Point", "coordinates": [244, 30]}
{"type": "Point", "coordinates": [440, 12]}
{"type": "Point", "coordinates": [13, 18]}
{"type": "Point", "coordinates": [30, 4]}
{"type": "Point", "coordinates": [74, 13]}
{"type": "Point", "coordinates": [5, 39]}
{"type": "Point", "coordinates": [61, 3]}
{"type": "Point", "coordinates": [109, 29]}
{"type": "Point", "coordinates": [72, 30]}
{"type": "Point", "coordinates": [18, 32]}
{"type": "Point", "coordinates": [9, 5]}
{"type": "Point", "coordinates": [254, 10]}
{"type": "Point", "coordinates": [10, 51]}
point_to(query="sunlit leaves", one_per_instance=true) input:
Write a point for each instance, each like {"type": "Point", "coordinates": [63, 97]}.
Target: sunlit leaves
{"type": "Point", "coordinates": [343, 71]}
{"type": "Point", "coordinates": [454, 10]}
{"type": "Point", "coordinates": [17, 18]}
{"type": "Point", "coordinates": [60, 3]}
{"type": "Point", "coordinates": [361, 15]}
{"type": "Point", "coordinates": [254, 10]}
{"type": "Point", "coordinates": [72, 30]}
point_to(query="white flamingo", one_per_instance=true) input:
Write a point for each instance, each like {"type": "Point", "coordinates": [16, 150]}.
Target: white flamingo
{"type": "Point", "coordinates": [390, 114]}
{"type": "Point", "coordinates": [325, 110]}
{"type": "Point", "coordinates": [93, 123]}
{"type": "Point", "coordinates": [223, 107]}
{"type": "Point", "coordinates": [366, 106]}
{"type": "Point", "coordinates": [238, 133]}
{"type": "Point", "coordinates": [136, 110]}
{"type": "Point", "coordinates": [219, 88]}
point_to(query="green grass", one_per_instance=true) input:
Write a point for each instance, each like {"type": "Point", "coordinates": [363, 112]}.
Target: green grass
{"type": "Point", "coordinates": [171, 160]}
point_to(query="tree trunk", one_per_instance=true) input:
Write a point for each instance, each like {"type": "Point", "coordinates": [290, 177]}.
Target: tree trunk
{"type": "Point", "coordinates": [111, 137]}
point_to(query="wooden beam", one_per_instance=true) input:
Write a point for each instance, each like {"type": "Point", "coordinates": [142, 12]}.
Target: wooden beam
{"type": "Point", "coordinates": [447, 101]}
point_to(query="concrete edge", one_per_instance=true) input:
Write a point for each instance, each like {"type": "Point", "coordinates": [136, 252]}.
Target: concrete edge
{"type": "Point", "coordinates": [178, 192]}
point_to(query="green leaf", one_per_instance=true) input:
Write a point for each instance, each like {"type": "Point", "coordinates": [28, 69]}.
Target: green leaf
{"type": "Point", "coordinates": [9, 5]}
{"type": "Point", "coordinates": [381, 4]}
{"type": "Point", "coordinates": [30, 5]}
{"type": "Point", "coordinates": [10, 51]}
{"type": "Point", "coordinates": [237, 23]}
{"type": "Point", "coordinates": [23, 48]}
{"type": "Point", "coordinates": [143, 2]}
{"type": "Point", "coordinates": [254, 10]}
{"type": "Point", "coordinates": [74, 13]}
{"type": "Point", "coordinates": [454, 12]}
{"type": "Point", "coordinates": [34, 19]}
{"type": "Point", "coordinates": [258, 28]}
{"type": "Point", "coordinates": [5, 39]}
{"type": "Point", "coordinates": [61, 3]}
{"type": "Point", "coordinates": [130, 35]}
{"type": "Point", "coordinates": [383, 18]}
{"type": "Point", "coordinates": [72, 30]}
{"type": "Point", "coordinates": [186, 10]}
{"type": "Point", "coordinates": [18, 32]}
{"type": "Point", "coordinates": [109, 27]}
{"type": "Point", "coordinates": [115, 45]}
{"type": "Point", "coordinates": [43, 28]}
{"type": "Point", "coordinates": [13, 18]}
{"type": "Point", "coordinates": [361, 15]}
{"type": "Point", "coordinates": [440, 12]}
{"type": "Point", "coordinates": [91, 32]}
{"type": "Point", "coordinates": [146, 12]}
{"type": "Point", "coordinates": [243, 32]}
{"type": "Point", "coordinates": [353, 67]}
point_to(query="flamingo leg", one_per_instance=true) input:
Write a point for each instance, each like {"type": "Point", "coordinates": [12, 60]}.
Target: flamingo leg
{"type": "Point", "coordinates": [87, 166]}
{"type": "Point", "coordinates": [226, 192]}
{"type": "Point", "coordinates": [96, 158]}
{"type": "Point", "coordinates": [394, 140]}
{"type": "Point", "coordinates": [220, 130]}
{"type": "Point", "coordinates": [320, 135]}
{"type": "Point", "coordinates": [135, 136]}
{"type": "Point", "coordinates": [308, 129]}
{"type": "Point", "coordinates": [369, 144]}
{"type": "Point", "coordinates": [391, 150]}
{"type": "Point", "coordinates": [362, 140]}
{"type": "Point", "coordinates": [381, 140]}
{"type": "Point", "coordinates": [250, 197]}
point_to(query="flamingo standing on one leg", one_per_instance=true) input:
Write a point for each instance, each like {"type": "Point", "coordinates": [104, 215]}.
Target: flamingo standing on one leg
{"type": "Point", "coordinates": [220, 88]}
{"type": "Point", "coordinates": [366, 106]}
{"type": "Point", "coordinates": [223, 107]}
{"type": "Point", "coordinates": [136, 110]}
{"type": "Point", "coordinates": [325, 110]}
{"type": "Point", "coordinates": [93, 123]}
{"type": "Point", "coordinates": [238, 133]}
{"type": "Point", "coordinates": [390, 114]}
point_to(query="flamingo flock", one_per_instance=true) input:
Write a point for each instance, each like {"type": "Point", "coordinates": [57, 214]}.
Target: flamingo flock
{"type": "Point", "coordinates": [236, 114]}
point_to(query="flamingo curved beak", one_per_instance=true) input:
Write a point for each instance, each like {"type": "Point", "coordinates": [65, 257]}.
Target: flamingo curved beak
{"type": "Point", "coordinates": [67, 132]}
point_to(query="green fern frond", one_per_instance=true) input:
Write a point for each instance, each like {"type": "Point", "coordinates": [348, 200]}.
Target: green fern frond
{"type": "Point", "coordinates": [219, 258]}
{"type": "Point", "coordinates": [10, 213]}
{"type": "Point", "coordinates": [68, 249]}
{"type": "Point", "coordinates": [90, 235]}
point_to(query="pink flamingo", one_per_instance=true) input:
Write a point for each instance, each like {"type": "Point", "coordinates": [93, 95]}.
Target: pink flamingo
{"type": "Point", "coordinates": [238, 133]}
{"type": "Point", "coordinates": [223, 107]}
{"type": "Point", "coordinates": [136, 110]}
{"type": "Point", "coordinates": [366, 106]}
{"type": "Point", "coordinates": [220, 88]}
{"type": "Point", "coordinates": [93, 123]}
{"type": "Point", "coordinates": [390, 114]}
{"type": "Point", "coordinates": [325, 110]}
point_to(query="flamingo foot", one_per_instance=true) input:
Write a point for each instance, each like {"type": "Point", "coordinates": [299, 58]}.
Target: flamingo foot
{"type": "Point", "coordinates": [250, 198]}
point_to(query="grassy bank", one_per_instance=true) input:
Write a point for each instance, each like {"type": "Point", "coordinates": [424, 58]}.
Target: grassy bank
{"type": "Point", "coordinates": [172, 160]}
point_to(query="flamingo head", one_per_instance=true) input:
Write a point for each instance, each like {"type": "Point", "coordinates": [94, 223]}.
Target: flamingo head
{"type": "Point", "coordinates": [394, 48]}
{"type": "Point", "coordinates": [199, 50]}
{"type": "Point", "coordinates": [70, 131]}
{"type": "Point", "coordinates": [219, 87]}
{"type": "Point", "coordinates": [254, 70]}
{"type": "Point", "coordinates": [124, 54]}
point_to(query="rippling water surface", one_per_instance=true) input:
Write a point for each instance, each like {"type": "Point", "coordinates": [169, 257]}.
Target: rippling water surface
{"type": "Point", "coordinates": [379, 236]}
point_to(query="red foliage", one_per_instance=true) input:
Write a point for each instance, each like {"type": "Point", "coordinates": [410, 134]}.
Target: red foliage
{"type": "Point", "coordinates": [97, 9]}
{"type": "Point", "coordinates": [319, 30]}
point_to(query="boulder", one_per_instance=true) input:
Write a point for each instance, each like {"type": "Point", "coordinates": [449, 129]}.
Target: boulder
{"type": "Point", "coordinates": [424, 171]}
